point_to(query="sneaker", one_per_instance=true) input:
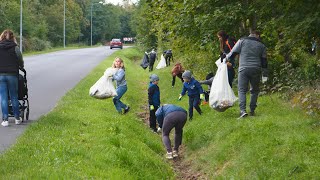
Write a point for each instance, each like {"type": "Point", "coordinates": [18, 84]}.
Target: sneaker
{"type": "Point", "coordinates": [243, 114]}
{"type": "Point", "coordinates": [126, 110]}
{"type": "Point", "coordinates": [252, 113]}
{"type": "Point", "coordinates": [169, 155]}
{"type": "Point", "coordinates": [175, 154]}
{"type": "Point", "coordinates": [5, 123]}
{"type": "Point", "coordinates": [18, 121]}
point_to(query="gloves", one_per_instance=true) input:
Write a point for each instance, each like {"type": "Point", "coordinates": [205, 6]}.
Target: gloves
{"type": "Point", "coordinates": [264, 75]}
{"type": "Point", "coordinates": [159, 130]}
{"type": "Point", "coordinates": [202, 96]}
{"type": "Point", "coordinates": [264, 79]}
{"type": "Point", "coordinates": [180, 96]}
{"type": "Point", "coordinates": [265, 72]}
{"type": "Point", "coordinates": [151, 107]}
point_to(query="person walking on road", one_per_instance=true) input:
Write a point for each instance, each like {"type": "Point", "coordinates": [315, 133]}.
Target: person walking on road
{"type": "Point", "coordinates": [121, 85]}
{"type": "Point", "coordinates": [10, 62]}
{"type": "Point", "coordinates": [252, 62]}
{"type": "Point", "coordinates": [170, 116]}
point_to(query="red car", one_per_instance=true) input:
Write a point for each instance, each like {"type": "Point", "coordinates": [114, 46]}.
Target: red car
{"type": "Point", "coordinates": [115, 43]}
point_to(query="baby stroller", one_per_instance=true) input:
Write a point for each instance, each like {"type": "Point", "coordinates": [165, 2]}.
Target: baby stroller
{"type": "Point", "coordinates": [22, 97]}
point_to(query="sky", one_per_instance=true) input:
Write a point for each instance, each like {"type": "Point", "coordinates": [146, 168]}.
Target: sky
{"type": "Point", "coordinates": [115, 2]}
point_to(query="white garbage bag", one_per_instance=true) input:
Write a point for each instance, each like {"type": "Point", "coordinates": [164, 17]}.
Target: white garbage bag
{"type": "Point", "coordinates": [162, 63]}
{"type": "Point", "coordinates": [104, 87]}
{"type": "Point", "coordinates": [221, 94]}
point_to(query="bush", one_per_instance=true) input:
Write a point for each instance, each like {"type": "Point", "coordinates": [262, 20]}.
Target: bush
{"type": "Point", "coordinates": [36, 44]}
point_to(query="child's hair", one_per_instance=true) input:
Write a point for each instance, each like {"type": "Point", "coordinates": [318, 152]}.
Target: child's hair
{"type": "Point", "coordinates": [121, 65]}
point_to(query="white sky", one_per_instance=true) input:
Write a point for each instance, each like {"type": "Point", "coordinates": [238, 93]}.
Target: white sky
{"type": "Point", "coordinates": [115, 2]}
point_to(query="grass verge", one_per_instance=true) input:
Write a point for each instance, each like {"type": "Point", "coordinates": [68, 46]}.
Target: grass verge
{"type": "Point", "coordinates": [84, 138]}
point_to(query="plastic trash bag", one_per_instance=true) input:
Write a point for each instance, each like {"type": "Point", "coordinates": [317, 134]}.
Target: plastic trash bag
{"type": "Point", "coordinates": [162, 63]}
{"type": "Point", "coordinates": [104, 87]}
{"type": "Point", "coordinates": [221, 94]}
{"type": "Point", "coordinates": [145, 61]}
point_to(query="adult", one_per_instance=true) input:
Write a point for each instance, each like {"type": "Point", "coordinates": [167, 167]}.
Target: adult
{"type": "Point", "coordinates": [170, 116]}
{"type": "Point", "coordinates": [152, 59]}
{"type": "Point", "coordinates": [252, 62]}
{"type": "Point", "coordinates": [226, 44]}
{"type": "Point", "coordinates": [11, 61]}
{"type": "Point", "coordinates": [121, 85]}
{"type": "Point", "coordinates": [168, 56]}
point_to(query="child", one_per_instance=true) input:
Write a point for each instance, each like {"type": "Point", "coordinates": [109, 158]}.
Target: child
{"type": "Point", "coordinates": [195, 92]}
{"type": "Point", "coordinates": [121, 85]}
{"type": "Point", "coordinates": [170, 116]}
{"type": "Point", "coordinates": [208, 81]}
{"type": "Point", "coordinates": [154, 101]}
{"type": "Point", "coordinates": [177, 70]}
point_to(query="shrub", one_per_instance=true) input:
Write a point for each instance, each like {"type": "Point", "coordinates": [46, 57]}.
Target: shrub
{"type": "Point", "coordinates": [36, 44]}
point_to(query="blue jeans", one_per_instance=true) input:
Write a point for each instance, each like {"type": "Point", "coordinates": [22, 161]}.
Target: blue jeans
{"type": "Point", "coordinates": [9, 83]}
{"type": "Point", "coordinates": [116, 100]}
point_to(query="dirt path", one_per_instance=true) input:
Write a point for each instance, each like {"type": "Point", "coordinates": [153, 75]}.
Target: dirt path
{"type": "Point", "coordinates": [182, 168]}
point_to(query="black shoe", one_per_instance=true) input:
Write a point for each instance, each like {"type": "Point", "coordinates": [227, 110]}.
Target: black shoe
{"type": "Point", "coordinates": [126, 110]}
{"type": "Point", "coordinates": [252, 113]}
{"type": "Point", "coordinates": [243, 114]}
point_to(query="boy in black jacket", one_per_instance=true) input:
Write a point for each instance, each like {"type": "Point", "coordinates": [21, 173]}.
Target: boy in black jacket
{"type": "Point", "coordinates": [154, 101]}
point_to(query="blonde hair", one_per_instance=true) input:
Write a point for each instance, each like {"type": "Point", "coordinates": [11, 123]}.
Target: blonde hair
{"type": "Point", "coordinates": [121, 64]}
{"type": "Point", "coordinates": [8, 35]}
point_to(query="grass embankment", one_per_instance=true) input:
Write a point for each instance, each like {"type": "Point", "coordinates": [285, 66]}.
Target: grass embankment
{"type": "Point", "coordinates": [85, 138]}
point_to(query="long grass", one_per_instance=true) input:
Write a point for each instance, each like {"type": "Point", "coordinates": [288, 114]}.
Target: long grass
{"type": "Point", "coordinates": [84, 138]}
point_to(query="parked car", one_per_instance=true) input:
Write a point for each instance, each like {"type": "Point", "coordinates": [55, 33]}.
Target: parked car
{"type": "Point", "coordinates": [116, 43]}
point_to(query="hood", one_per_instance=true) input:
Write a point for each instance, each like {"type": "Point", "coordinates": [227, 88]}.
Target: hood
{"type": "Point", "coordinates": [6, 44]}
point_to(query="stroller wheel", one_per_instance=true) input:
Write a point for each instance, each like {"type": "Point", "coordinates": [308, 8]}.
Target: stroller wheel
{"type": "Point", "coordinates": [27, 114]}
{"type": "Point", "coordinates": [22, 115]}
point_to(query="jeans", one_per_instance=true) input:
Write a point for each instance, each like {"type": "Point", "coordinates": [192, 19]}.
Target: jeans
{"type": "Point", "coordinates": [245, 77]}
{"type": "Point", "coordinates": [9, 84]}
{"type": "Point", "coordinates": [116, 100]}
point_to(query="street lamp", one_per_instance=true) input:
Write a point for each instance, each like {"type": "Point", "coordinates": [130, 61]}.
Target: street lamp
{"type": "Point", "coordinates": [21, 26]}
{"type": "Point", "coordinates": [91, 17]}
{"type": "Point", "coordinates": [64, 24]}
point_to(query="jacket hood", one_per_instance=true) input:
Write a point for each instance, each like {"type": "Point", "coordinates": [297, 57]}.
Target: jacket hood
{"type": "Point", "coordinates": [7, 44]}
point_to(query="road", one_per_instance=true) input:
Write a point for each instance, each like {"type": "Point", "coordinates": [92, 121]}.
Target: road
{"type": "Point", "coordinates": [49, 77]}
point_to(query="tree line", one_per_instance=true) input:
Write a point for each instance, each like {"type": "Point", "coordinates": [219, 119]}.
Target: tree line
{"type": "Point", "coordinates": [43, 22]}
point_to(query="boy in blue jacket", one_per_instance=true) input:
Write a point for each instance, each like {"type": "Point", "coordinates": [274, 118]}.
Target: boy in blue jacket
{"type": "Point", "coordinates": [195, 92]}
{"type": "Point", "coordinates": [154, 100]}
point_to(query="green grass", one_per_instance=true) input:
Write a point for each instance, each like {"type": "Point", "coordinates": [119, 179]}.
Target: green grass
{"type": "Point", "coordinates": [84, 138]}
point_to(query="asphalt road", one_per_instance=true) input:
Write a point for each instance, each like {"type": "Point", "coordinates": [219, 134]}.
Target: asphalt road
{"type": "Point", "coordinates": [49, 77]}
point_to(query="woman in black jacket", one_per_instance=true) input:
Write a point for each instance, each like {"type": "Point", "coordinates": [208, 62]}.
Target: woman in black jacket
{"type": "Point", "coordinates": [226, 44]}
{"type": "Point", "coordinates": [10, 62]}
